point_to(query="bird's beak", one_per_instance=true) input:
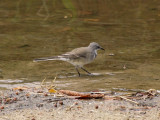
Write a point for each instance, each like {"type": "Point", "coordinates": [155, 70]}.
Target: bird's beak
{"type": "Point", "coordinates": [102, 48]}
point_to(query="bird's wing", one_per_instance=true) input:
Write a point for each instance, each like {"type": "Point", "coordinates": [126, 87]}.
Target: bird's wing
{"type": "Point", "coordinates": [78, 53]}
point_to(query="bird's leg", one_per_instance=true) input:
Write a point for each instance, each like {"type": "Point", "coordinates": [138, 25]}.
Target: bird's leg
{"type": "Point", "coordinates": [85, 70]}
{"type": "Point", "coordinates": [78, 71]}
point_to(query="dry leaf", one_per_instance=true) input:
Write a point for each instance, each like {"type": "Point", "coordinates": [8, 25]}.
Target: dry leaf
{"type": "Point", "coordinates": [81, 95]}
{"type": "Point", "coordinates": [52, 90]}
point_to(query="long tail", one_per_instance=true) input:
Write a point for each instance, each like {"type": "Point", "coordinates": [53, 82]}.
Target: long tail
{"type": "Point", "coordinates": [63, 58]}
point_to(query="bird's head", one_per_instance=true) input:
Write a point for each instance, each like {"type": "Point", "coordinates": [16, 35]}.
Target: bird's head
{"type": "Point", "coordinates": [95, 46]}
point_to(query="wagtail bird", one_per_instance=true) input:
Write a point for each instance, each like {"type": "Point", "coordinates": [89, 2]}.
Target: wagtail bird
{"type": "Point", "coordinates": [77, 57]}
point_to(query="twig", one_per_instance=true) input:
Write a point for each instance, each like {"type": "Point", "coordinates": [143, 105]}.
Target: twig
{"type": "Point", "coordinates": [43, 82]}
{"type": "Point", "coordinates": [128, 100]}
{"type": "Point", "coordinates": [52, 85]}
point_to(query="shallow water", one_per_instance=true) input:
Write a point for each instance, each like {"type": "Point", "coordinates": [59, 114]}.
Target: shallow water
{"type": "Point", "coordinates": [128, 30]}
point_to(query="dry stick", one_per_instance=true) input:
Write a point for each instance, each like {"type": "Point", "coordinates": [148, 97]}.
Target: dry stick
{"type": "Point", "coordinates": [128, 100]}
{"type": "Point", "coordinates": [54, 80]}
{"type": "Point", "coordinates": [48, 87]}
{"type": "Point", "coordinates": [32, 93]}
{"type": "Point", "coordinates": [52, 86]}
{"type": "Point", "coordinates": [43, 82]}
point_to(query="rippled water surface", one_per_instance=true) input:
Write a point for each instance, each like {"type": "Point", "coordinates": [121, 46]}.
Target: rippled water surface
{"type": "Point", "coordinates": [128, 30]}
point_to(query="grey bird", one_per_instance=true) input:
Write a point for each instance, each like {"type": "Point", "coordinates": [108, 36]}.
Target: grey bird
{"type": "Point", "coordinates": [77, 57]}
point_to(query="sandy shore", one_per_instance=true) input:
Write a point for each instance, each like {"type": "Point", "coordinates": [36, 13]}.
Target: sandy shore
{"type": "Point", "coordinates": [23, 106]}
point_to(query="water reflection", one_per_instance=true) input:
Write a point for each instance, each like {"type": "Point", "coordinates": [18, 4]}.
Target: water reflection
{"type": "Point", "coordinates": [127, 29]}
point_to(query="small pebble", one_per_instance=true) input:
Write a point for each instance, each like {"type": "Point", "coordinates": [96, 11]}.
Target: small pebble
{"type": "Point", "coordinates": [45, 94]}
{"type": "Point", "coordinates": [143, 112]}
{"type": "Point", "coordinates": [39, 105]}
{"type": "Point", "coordinates": [8, 100]}
{"type": "Point", "coordinates": [2, 107]}
{"type": "Point", "coordinates": [27, 95]}
{"type": "Point", "coordinates": [96, 107]}
{"type": "Point", "coordinates": [39, 91]}
{"type": "Point", "coordinates": [65, 16]}
{"type": "Point", "coordinates": [55, 105]}
{"type": "Point", "coordinates": [76, 103]}
{"type": "Point", "coordinates": [111, 54]}
{"type": "Point", "coordinates": [15, 99]}
{"type": "Point", "coordinates": [61, 102]}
